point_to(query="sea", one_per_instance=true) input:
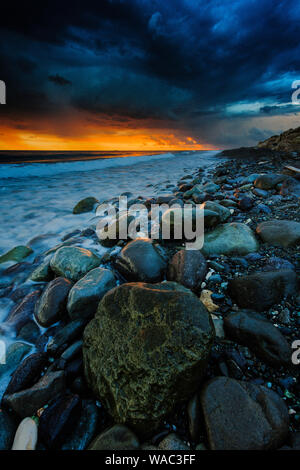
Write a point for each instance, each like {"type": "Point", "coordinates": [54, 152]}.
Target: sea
{"type": "Point", "coordinates": [38, 190]}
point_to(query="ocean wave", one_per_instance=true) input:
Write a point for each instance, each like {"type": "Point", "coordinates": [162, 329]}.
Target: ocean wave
{"type": "Point", "coordinates": [52, 169]}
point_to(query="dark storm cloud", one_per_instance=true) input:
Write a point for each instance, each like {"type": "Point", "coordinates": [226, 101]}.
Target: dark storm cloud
{"type": "Point", "coordinates": [59, 80]}
{"type": "Point", "coordinates": [192, 62]}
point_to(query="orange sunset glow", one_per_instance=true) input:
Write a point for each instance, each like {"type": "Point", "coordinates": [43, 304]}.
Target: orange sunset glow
{"type": "Point", "coordinates": [76, 132]}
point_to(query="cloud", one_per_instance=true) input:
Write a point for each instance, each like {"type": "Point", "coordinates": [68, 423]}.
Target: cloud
{"type": "Point", "coordinates": [189, 62]}
{"type": "Point", "coordinates": [59, 80]}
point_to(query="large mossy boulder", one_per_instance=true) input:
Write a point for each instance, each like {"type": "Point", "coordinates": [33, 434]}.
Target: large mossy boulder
{"type": "Point", "coordinates": [145, 350]}
{"type": "Point", "coordinates": [17, 254]}
{"type": "Point", "coordinates": [73, 262]}
{"type": "Point", "coordinates": [230, 239]}
{"type": "Point", "coordinates": [85, 205]}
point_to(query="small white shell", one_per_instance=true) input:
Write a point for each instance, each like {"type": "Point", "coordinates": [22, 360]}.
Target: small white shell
{"type": "Point", "coordinates": [26, 435]}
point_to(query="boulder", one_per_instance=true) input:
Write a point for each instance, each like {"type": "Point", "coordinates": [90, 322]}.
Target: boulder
{"type": "Point", "coordinates": [116, 230]}
{"type": "Point", "coordinates": [87, 292]}
{"type": "Point", "coordinates": [51, 306]}
{"type": "Point", "coordinates": [42, 273]}
{"type": "Point", "coordinates": [243, 416]}
{"type": "Point", "coordinates": [85, 205]}
{"type": "Point", "coordinates": [269, 181]}
{"type": "Point", "coordinates": [259, 335]}
{"type": "Point", "coordinates": [142, 260]}
{"type": "Point", "coordinates": [26, 373]}
{"type": "Point", "coordinates": [7, 430]}
{"type": "Point", "coordinates": [259, 291]}
{"type": "Point", "coordinates": [224, 212]}
{"type": "Point", "coordinates": [283, 233]}
{"type": "Point", "coordinates": [231, 238]}
{"type": "Point", "coordinates": [84, 429]}
{"type": "Point", "coordinates": [65, 336]}
{"type": "Point", "coordinates": [73, 262]}
{"type": "Point", "coordinates": [58, 420]}
{"type": "Point", "coordinates": [22, 313]}
{"type": "Point", "coordinates": [290, 187]}
{"type": "Point", "coordinates": [118, 437]}
{"type": "Point", "coordinates": [16, 254]}
{"type": "Point", "coordinates": [145, 350]}
{"type": "Point", "coordinates": [176, 221]}
{"type": "Point", "coordinates": [187, 267]}
{"type": "Point", "coordinates": [26, 402]}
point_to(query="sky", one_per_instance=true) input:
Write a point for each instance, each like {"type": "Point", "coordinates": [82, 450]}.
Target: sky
{"type": "Point", "coordinates": [147, 74]}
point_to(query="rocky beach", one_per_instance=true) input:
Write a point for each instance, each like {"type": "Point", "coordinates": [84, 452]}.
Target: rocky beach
{"type": "Point", "coordinates": [143, 344]}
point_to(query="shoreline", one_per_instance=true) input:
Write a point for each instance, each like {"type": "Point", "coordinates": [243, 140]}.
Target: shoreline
{"type": "Point", "coordinates": [244, 201]}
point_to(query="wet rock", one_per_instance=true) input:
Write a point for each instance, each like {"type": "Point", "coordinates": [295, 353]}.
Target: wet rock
{"type": "Point", "coordinates": [259, 291]}
{"type": "Point", "coordinates": [51, 306]}
{"type": "Point", "coordinates": [152, 342]}
{"type": "Point", "coordinates": [42, 273]}
{"type": "Point", "coordinates": [118, 437]}
{"type": "Point", "coordinates": [243, 416]}
{"type": "Point", "coordinates": [73, 262]}
{"type": "Point", "coordinates": [194, 418]}
{"type": "Point", "coordinates": [85, 205]}
{"type": "Point", "coordinates": [176, 221]}
{"type": "Point", "coordinates": [14, 355]}
{"type": "Point", "coordinates": [211, 219]}
{"type": "Point", "coordinates": [17, 254]}
{"type": "Point", "coordinates": [115, 231]}
{"type": "Point", "coordinates": [283, 233]}
{"type": "Point", "coordinates": [30, 332]}
{"type": "Point", "coordinates": [22, 313]}
{"type": "Point", "coordinates": [290, 187]}
{"type": "Point", "coordinates": [72, 351]}
{"type": "Point", "coordinates": [84, 429]}
{"type": "Point", "coordinates": [257, 333]}
{"type": "Point", "coordinates": [276, 264]}
{"type": "Point", "coordinates": [260, 192]}
{"type": "Point", "coordinates": [231, 238]}
{"type": "Point", "coordinates": [58, 420]}
{"type": "Point", "coordinates": [88, 291]}
{"type": "Point", "coordinates": [27, 402]}
{"type": "Point", "coordinates": [224, 212]}
{"type": "Point", "coordinates": [172, 442]}
{"type": "Point", "coordinates": [7, 430]}
{"type": "Point", "coordinates": [268, 181]}
{"type": "Point", "coordinates": [65, 336]}
{"type": "Point", "coordinates": [26, 373]}
{"type": "Point", "coordinates": [142, 260]}
{"type": "Point", "coordinates": [187, 267]}
{"type": "Point", "coordinates": [245, 203]}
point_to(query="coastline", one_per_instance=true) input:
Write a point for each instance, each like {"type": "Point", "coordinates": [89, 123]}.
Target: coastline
{"type": "Point", "coordinates": [244, 201]}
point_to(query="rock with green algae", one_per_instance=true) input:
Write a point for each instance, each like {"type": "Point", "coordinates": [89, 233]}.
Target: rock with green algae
{"type": "Point", "coordinates": [145, 350]}
{"type": "Point", "coordinates": [73, 262]}
{"type": "Point", "coordinates": [17, 254]}
{"type": "Point", "coordinates": [85, 205]}
{"type": "Point", "coordinates": [42, 273]}
{"type": "Point", "coordinates": [228, 239]}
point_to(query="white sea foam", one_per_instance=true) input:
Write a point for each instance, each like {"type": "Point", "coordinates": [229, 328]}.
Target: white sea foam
{"type": "Point", "coordinates": [38, 198]}
{"type": "Point", "coordinates": [53, 169]}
